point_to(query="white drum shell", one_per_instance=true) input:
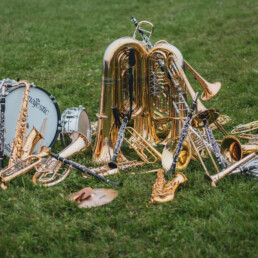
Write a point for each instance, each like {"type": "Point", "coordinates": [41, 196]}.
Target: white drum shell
{"type": "Point", "coordinates": [76, 120]}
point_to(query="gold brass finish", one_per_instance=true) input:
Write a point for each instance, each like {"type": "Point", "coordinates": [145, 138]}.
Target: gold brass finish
{"type": "Point", "coordinates": [233, 150]}
{"type": "Point", "coordinates": [165, 192]}
{"type": "Point", "coordinates": [209, 89]}
{"type": "Point", "coordinates": [115, 92]}
{"type": "Point", "coordinates": [22, 166]}
{"type": "Point", "coordinates": [143, 148]}
{"type": "Point", "coordinates": [21, 127]}
{"type": "Point", "coordinates": [245, 128]}
{"type": "Point", "coordinates": [183, 159]}
{"type": "Point", "coordinates": [49, 171]}
{"type": "Point", "coordinates": [215, 178]}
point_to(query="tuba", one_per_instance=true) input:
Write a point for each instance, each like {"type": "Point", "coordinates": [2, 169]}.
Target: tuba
{"type": "Point", "coordinates": [115, 93]}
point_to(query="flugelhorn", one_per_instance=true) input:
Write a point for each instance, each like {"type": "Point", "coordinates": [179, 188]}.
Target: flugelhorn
{"type": "Point", "coordinates": [49, 172]}
{"type": "Point", "coordinates": [233, 150]}
{"type": "Point", "coordinates": [215, 178]}
{"type": "Point", "coordinates": [209, 89]}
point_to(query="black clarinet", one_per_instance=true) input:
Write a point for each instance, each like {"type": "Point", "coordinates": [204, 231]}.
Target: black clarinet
{"type": "Point", "coordinates": [112, 164]}
{"type": "Point", "coordinates": [84, 169]}
{"type": "Point", "coordinates": [2, 122]}
{"type": "Point", "coordinates": [182, 138]}
{"type": "Point", "coordinates": [214, 144]}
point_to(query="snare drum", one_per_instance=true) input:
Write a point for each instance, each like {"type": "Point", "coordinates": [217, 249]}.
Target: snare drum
{"type": "Point", "coordinates": [76, 120]}
{"type": "Point", "coordinates": [41, 106]}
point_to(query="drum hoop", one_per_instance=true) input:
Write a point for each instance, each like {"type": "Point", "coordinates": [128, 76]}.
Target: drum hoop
{"type": "Point", "coordinates": [77, 109]}
{"type": "Point", "coordinates": [54, 102]}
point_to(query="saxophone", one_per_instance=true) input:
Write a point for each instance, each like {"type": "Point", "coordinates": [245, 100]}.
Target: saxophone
{"type": "Point", "coordinates": [21, 127]}
{"type": "Point", "coordinates": [21, 156]}
{"type": "Point", "coordinates": [163, 191]}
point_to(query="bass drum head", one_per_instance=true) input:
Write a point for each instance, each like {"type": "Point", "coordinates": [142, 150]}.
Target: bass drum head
{"type": "Point", "coordinates": [41, 107]}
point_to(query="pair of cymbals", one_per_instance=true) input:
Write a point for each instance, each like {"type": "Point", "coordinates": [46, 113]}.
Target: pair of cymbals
{"type": "Point", "coordinates": [88, 197]}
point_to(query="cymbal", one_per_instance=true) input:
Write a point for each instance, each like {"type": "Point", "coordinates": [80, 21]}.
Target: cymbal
{"type": "Point", "coordinates": [98, 197]}
{"type": "Point", "coordinates": [80, 195]}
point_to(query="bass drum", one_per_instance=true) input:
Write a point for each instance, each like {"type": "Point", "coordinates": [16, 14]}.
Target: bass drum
{"type": "Point", "coordinates": [76, 120]}
{"type": "Point", "coordinates": [42, 107]}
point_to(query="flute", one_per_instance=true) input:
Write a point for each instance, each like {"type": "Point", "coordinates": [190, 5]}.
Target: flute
{"type": "Point", "coordinates": [182, 138]}
{"type": "Point", "coordinates": [84, 169]}
{"type": "Point", "coordinates": [214, 144]}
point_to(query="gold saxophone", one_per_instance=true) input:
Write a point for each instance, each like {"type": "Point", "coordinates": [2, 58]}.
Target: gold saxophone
{"type": "Point", "coordinates": [21, 127]}
{"type": "Point", "coordinates": [21, 156]}
{"type": "Point", "coordinates": [163, 191]}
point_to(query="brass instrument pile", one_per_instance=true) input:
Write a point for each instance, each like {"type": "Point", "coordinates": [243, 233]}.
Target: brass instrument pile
{"type": "Point", "coordinates": [157, 91]}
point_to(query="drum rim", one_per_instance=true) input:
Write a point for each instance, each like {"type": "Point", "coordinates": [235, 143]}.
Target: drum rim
{"type": "Point", "coordinates": [53, 99]}
{"type": "Point", "coordinates": [82, 109]}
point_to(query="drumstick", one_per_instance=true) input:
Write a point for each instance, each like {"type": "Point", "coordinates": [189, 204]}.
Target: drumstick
{"type": "Point", "coordinates": [42, 133]}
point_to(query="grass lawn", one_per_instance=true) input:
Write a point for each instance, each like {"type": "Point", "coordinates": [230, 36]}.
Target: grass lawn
{"type": "Point", "coordinates": [59, 45]}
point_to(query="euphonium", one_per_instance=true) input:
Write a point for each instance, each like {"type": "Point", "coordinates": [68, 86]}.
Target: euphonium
{"type": "Point", "coordinates": [215, 178]}
{"type": "Point", "coordinates": [49, 171]}
{"type": "Point", "coordinates": [233, 150]}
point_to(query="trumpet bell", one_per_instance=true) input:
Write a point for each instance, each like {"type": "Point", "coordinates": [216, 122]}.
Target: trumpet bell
{"type": "Point", "coordinates": [210, 115]}
{"type": "Point", "coordinates": [183, 159]}
{"type": "Point", "coordinates": [212, 90]}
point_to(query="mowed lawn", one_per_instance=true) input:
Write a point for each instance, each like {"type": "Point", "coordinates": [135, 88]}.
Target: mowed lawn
{"type": "Point", "coordinates": [59, 45]}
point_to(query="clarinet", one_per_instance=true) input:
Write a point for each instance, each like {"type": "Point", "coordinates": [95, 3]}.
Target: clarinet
{"type": "Point", "coordinates": [112, 164]}
{"type": "Point", "coordinates": [182, 138]}
{"type": "Point", "coordinates": [84, 169]}
{"type": "Point", "coordinates": [2, 122]}
{"type": "Point", "coordinates": [214, 144]}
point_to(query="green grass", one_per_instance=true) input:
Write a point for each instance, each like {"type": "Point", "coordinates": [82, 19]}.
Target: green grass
{"type": "Point", "coordinates": [56, 44]}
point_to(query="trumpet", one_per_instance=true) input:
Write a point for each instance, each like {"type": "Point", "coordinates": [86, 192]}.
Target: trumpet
{"type": "Point", "coordinates": [209, 89]}
{"type": "Point", "coordinates": [215, 178]}
{"type": "Point", "coordinates": [232, 150]}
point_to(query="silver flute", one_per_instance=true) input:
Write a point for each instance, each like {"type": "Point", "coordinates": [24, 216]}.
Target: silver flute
{"type": "Point", "coordinates": [214, 145]}
{"type": "Point", "coordinates": [250, 168]}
